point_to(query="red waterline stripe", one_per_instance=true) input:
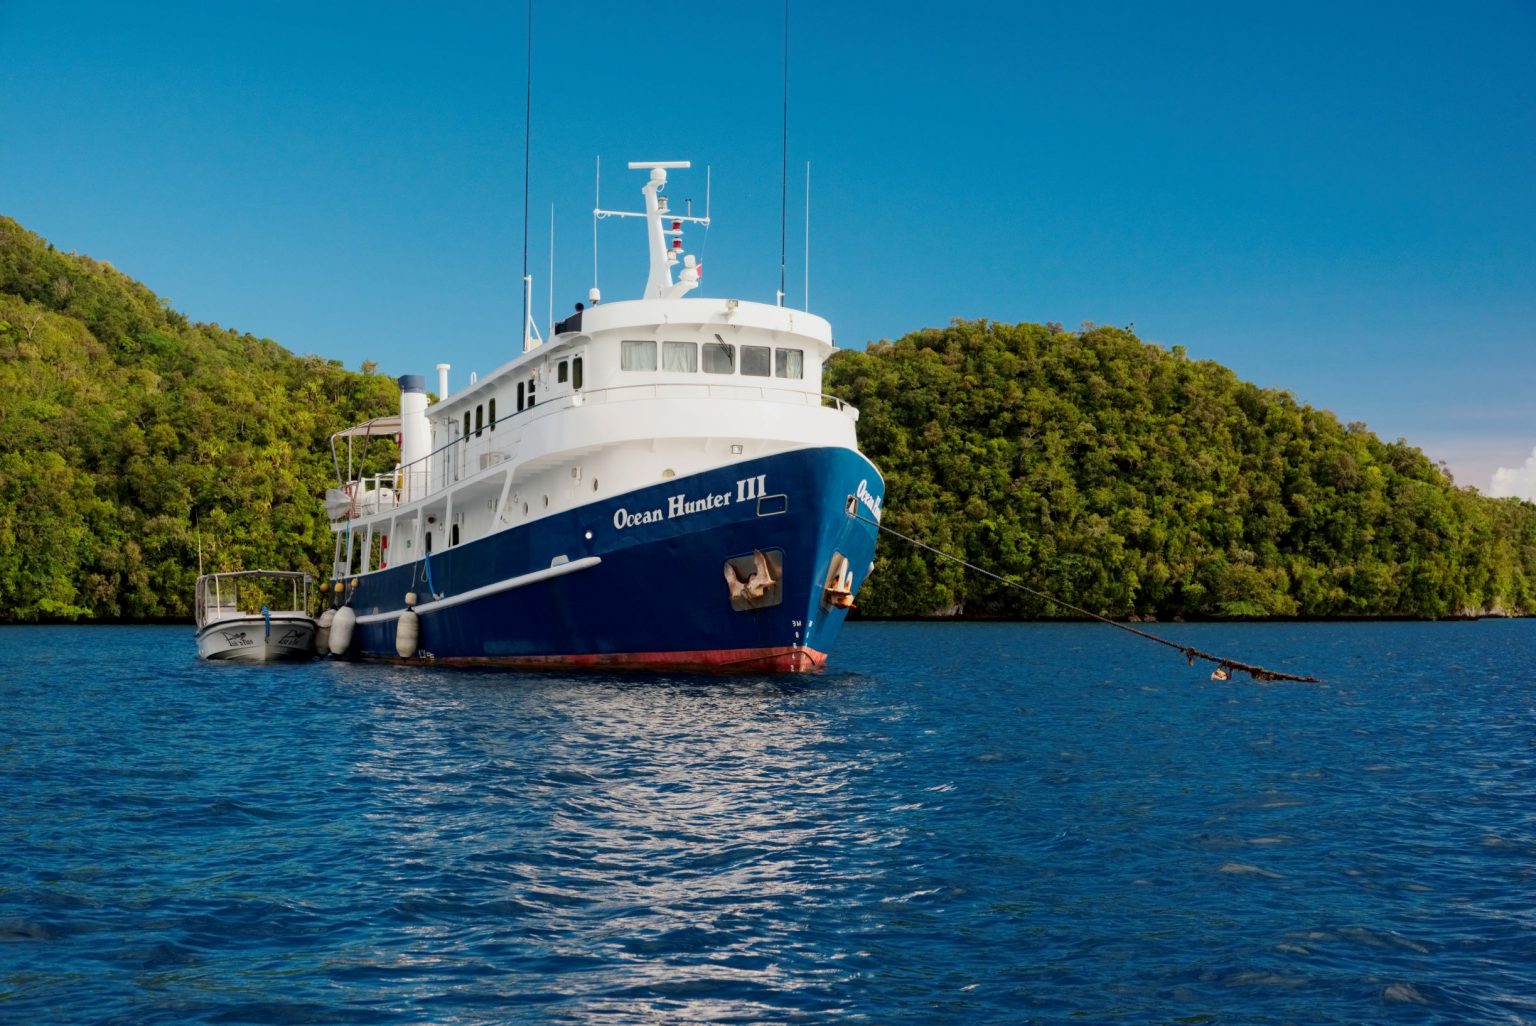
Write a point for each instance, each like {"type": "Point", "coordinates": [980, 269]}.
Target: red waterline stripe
{"type": "Point", "coordinates": [778, 659]}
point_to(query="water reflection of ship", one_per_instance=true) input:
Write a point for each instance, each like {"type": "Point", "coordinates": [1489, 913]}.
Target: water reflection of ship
{"type": "Point", "coordinates": [581, 504]}
{"type": "Point", "coordinates": [620, 819]}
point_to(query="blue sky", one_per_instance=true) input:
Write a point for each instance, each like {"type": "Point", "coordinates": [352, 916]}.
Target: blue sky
{"type": "Point", "coordinates": [1335, 199]}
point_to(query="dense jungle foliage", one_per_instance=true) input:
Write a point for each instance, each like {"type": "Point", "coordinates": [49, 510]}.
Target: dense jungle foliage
{"type": "Point", "coordinates": [1130, 480]}
{"type": "Point", "coordinates": [126, 432]}
{"type": "Point", "coordinates": [1111, 473]}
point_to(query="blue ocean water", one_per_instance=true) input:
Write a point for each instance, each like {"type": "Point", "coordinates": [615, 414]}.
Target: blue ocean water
{"type": "Point", "coordinates": [966, 823]}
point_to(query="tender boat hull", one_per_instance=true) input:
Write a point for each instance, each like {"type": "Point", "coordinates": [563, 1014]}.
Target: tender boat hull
{"type": "Point", "coordinates": [640, 581]}
{"type": "Point", "coordinates": [253, 639]}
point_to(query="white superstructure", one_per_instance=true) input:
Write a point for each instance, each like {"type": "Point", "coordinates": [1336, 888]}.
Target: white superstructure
{"type": "Point", "coordinates": [623, 395]}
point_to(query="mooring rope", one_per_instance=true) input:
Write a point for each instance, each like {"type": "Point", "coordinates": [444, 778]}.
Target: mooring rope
{"type": "Point", "coordinates": [1224, 666]}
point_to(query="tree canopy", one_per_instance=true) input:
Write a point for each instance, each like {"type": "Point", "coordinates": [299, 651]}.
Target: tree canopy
{"type": "Point", "coordinates": [1110, 473]}
{"type": "Point", "coordinates": [1130, 480]}
{"type": "Point", "coordinates": [128, 434]}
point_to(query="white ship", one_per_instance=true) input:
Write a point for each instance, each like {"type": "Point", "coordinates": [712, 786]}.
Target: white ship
{"type": "Point", "coordinates": [662, 484]}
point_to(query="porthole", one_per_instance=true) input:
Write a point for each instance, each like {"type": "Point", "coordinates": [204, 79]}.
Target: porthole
{"type": "Point", "coordinates": [546, 502]}
{"type": "Point", "coordinates": [525, 509]}
{"type": "Point", "coordinates": [668, 474]}
{"type": "Point", "coordinates": [594, 484]}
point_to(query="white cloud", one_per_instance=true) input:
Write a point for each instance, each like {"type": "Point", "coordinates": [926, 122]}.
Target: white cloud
{"type": "Point", "coordinates": [1517, 482]}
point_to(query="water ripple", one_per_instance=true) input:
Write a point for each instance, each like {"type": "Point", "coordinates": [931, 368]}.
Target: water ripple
{"type": "Point", "coordinates": [959, 825]}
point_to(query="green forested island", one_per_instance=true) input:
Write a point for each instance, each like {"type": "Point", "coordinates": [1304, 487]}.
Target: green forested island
{"type": "Point", "coordinates": [128, 434]}
{"type": "Point", "coordinates": [1130, 480]}
{"type": "Point", "coordinates": [1111, 473]}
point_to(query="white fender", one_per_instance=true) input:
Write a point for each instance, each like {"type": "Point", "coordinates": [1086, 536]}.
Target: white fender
{"type": "Point", "coordinates": [407, 634]}
{"type": "Point", "coordinates": [341, 630]}
{"type": "Point", "coordinates": [323, 631]}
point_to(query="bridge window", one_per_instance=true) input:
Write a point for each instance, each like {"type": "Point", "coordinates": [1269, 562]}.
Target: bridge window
{"type": "Point", "coordinates": [492, 413]}
{"type": "Point", "coordinates": [576, 374]}
{"type": "Point", "coordinates": [756, 361]}
{"type": "Point", "coordinates": [682, 357]}
{"type": "Point", "coordinates": [479, 420]}
{"type": "Point", "coordinates": [466, 423]}
{"type": "Point", "coordinates": [788, 363]}
{"type": "Point", "coordinates": [719, 358]}
{"type": "Point", "coordinates": [520, 399]}
{"type": "Point", "coordinates": [561, 371]}
{"type": "Point", "coordinates": [637, 356]}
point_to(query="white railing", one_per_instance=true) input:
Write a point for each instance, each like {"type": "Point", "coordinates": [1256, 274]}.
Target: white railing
{"type": "Point", "coordinates": [468, 456]}
{"type": "Point", "coordinates": [711, 390]}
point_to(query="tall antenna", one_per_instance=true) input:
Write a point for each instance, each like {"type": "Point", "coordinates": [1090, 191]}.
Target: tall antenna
{"type": "Point", "coordinates": [807, 235]}
{"type": "Point", "coordinates": [549, 286]}
{"type": "Point", "coordinates": [596, 206]}
{"type": "Point", "coordinates": [784, 161]}
{"type": "Point", "coordinates": [527, 150]}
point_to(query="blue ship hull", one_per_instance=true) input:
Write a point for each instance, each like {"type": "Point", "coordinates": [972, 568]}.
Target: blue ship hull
{"type": "Point", "coordinates": [660, 577]}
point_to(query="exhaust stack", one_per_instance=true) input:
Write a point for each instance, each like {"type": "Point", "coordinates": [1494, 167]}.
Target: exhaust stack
{"type": "Point", "coordinates": [415, 436]}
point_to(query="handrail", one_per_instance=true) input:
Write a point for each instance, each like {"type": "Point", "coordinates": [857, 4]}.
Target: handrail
{"type": "Point", "coordinates": [398, 479]}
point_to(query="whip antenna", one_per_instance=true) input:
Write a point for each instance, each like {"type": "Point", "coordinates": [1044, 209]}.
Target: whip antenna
{"type": "Point", "coordinates": [784, 161]}
{"type": "Point", "coordinates": [549, 286]}
{"type": "Point", "coordinates": [597, 205]}
{"type": "Point", "coordinates": [527, 150]}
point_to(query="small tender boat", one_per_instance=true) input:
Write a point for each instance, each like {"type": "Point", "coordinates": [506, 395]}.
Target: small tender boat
{"type": "Point", "coordinates": [256, 616]}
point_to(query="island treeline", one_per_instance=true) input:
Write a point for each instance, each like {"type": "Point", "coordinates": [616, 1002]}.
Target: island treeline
{"type": "Point", "coordinates": [1131, 480]}
{"type": "Point", "coordinates": [1113, 474]}
{"type": "Point", "coordinates": [128, 434]}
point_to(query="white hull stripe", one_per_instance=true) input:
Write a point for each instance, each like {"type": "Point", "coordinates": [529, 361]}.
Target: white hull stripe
{"type": "Point", "coordinates": [489, 589]}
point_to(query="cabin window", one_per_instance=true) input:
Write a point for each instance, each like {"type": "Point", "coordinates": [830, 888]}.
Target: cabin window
{"type": "Point", "coordinates": [719, 358]}
{"type": "Point", "coordinates": [466, 423]}
{"type": "Point", "coordinates": [532, 380]}
{"type": "Point", "coordinates": [520, 399]}
{"type": "Point", "coordinates": [576, 374]}
{"type": "Point", "coordinates": [479, 421]}
{"type": "Point", "coordinates": [453, 535]}
{"type": "Point", "coordinates": [492, 413]}
{"type": "Point", "coordinates": [429, 541]}
{"type": "Point", "coordinates": [788, 363]}
{"type": "Point", "coordinates": [637, 356]}
{"type": "Point", "coordinates": [561, 371]}
{"type": "Point", "coordinates": [682, 357]}
{"type": "Point", "coordinates": [757, 361]}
